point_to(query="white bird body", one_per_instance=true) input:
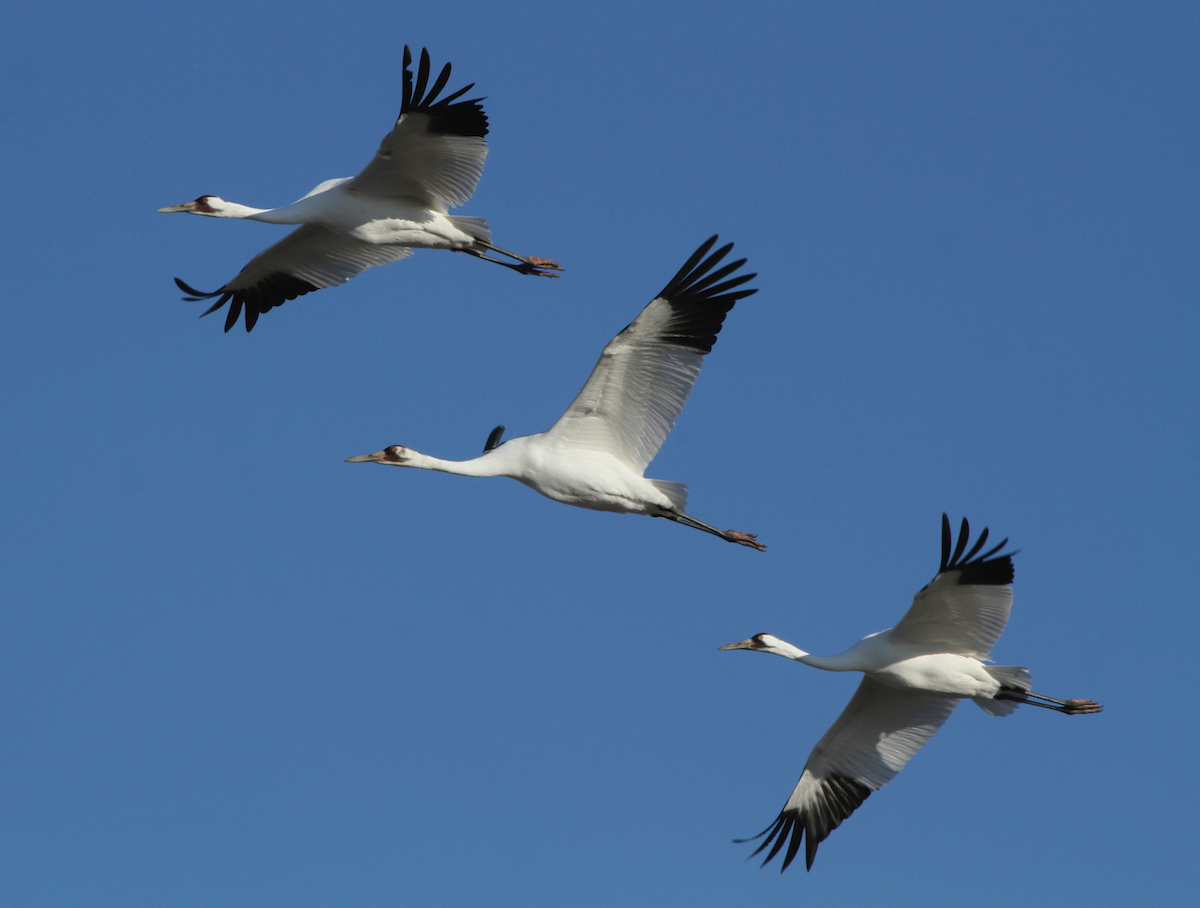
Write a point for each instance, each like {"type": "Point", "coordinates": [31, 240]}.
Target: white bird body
{"type": "Point", "coordinates": [596, 455]}
{"type": "Point", "coordinates": [430, 161]}
{"type": "Point", "coordinates": [368, 219]}
{"type": "Point", "coordinates": [904, 665]}
{"type": "Point", "coordinates": [586, 479]}
{"type": "Point", "coordinates": [942, 674]}
{"type": "Point", "coordinates": [915, 674]}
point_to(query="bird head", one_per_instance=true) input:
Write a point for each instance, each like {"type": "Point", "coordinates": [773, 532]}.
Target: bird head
{"type": "Point", "coordinates": [394, 454]}
{"type": "Point", "coordinates": [763, 643]}
{"type": "Point", "coordinates": [209, 205]}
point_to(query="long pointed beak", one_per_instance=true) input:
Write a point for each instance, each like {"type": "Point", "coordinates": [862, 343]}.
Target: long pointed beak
{"type": "Point", "coordinates": [377, 457]}
{"type": "Point", "coordinates": [172, 209]}
{"type": "Point", "coordinates": [741, 644]}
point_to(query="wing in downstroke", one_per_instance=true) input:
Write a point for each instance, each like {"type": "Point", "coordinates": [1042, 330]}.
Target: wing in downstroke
{"type": "Point", "coordinates": [877, 733]}
{"type": "Point", "coordinates": [307, 259]}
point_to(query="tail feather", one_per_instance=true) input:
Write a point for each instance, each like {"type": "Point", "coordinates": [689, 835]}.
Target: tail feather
{"type": "Point", "coordinates": [1014, 677]}
{"type": "Point", "coordinates": [477, 227]}
{"type": "Point", "coordinates": [996, 707]}
{"type": "Point", "coordinates": [676, 491]}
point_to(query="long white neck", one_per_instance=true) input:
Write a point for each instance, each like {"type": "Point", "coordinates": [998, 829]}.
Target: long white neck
{"type": "Point", "coordinates": [783, 648]}
{"type": "Point", "coordinates": [285, 215]}
{"type": "Point", "coordinates": [325, 203]}
{"type": "Point", "coordinates": [487, 465]}
{"type": "Point", "coordinates": [838, 663]}
{"type": "Point", "coordinates": [222, 209]}
{"type": "Point", "coordinates": [296, 213]}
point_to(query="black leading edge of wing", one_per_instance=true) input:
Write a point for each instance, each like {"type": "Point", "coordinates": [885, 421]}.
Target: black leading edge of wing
{"type": "Point", "coordinates": [983, 570]}
{"type": "Point", "coordinates": [466, 118]}
{"type": "Point", "coordinates": [273, 290]}
{"type": "Point", "coordinates": [839, 797]}
{"type": "Point", "coordinates": [699, 301]}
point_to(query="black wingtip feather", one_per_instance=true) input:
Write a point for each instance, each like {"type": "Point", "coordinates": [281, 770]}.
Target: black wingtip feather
{"type": "Point", "coordinates": [273, 290]}
{"type": "Point", "coordinates": [793, 847]}
{"type": "Point", "coordinates": [723, 289]}
{"type": "Point", "coordinates": [721, 273]}
{"type": "Point", "coordinates": [841, 796]}
{"type": "Point", "coordinates": [776, 833]}
{"type": "Point", "coordinates": [406, 94]}
{"type": "Point", "coordinates": [978, 544]}
{"type": "Point", "coordinates": [987, 569]}
{"type": "Point", "coordinates": [195, 295]}
{"type": "Point", "coordinates": [465, 118]}
{"type": "Point", "coordinates": [963, 533]}
{"type": "Point", "coordinates": [700, 300]}
{"type": "Point", "coordinates": [441, 81]}
{"type": "Point", "coordinates": [946, 540]}
{"type": "Point", "coordinates": [215, 306]}
{"type": "Point", "coordinates": [231, 317]}
{"type": "Point", "coordinates": [422, 75]}
{"type": "Point", "coordinates": [689, 265]}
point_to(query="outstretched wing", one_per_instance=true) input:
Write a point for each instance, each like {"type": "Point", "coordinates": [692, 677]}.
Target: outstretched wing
{"type": "Point", "coordinates": [645, 374]}
{"type": "Point", "coordinates": [435, 152]}
{"type": "Point", "coordinates": [307, 259]}
{"type": "Point", "coordinates": [875, 736]}
{"type": "Point", "coordinates": [965, 607]}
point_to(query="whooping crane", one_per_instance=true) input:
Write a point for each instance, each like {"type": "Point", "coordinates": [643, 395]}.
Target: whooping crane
{"type": "Point", "coordinates": [596, 453]}
{"type": "Point", "coordinates": [431, 160]}
{"type": "Point", "coordinates": [915, 674]}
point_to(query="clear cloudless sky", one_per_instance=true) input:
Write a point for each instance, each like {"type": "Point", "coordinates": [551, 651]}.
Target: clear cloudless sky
{"type": "Point", "coordinates": [237, 671]}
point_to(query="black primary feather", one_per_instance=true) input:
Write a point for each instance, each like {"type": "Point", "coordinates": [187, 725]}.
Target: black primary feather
{"type": "Point", "coordinates": [977, 570]}
{"type": "Point", "coordinates": [273, 290]}
{"type": "Point", "coordinates": [466, 118]}
{"type": "Point", "coordinates": [698, 301]}
{"type": "Point", "coordinates": [839, 796]}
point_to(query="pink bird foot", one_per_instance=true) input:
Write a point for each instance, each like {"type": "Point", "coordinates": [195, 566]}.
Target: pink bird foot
{"type": "Point", "coordinates": [745, 539]}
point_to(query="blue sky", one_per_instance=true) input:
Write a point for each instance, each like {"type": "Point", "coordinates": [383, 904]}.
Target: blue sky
{"type": "Point", "coordinates": [239, 671]}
